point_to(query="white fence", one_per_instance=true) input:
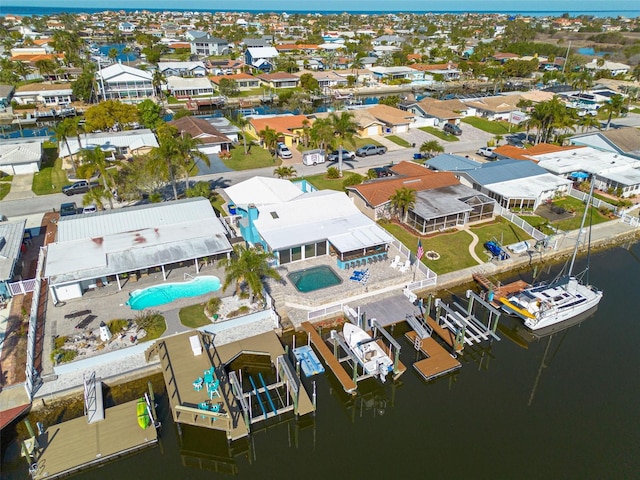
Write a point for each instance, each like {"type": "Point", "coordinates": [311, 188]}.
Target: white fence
{"type": "Point", "coordinates": [30, 370]}
{"type": "Point", "coordinates": [324, 312]}
{"type": "Point", "coordinates": [22, 287]}
{"type": "Point", "coordinates": [596, 202]}
{"type": "Point", "coordinates": [530, 230]}
{"type": "Point", "coordinates": [630, 220]}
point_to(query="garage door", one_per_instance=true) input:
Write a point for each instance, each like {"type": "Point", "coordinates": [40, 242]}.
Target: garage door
{"type": "Point", "coordinates": [209, 150]}
{"type": "Point", "coordinates": [401, 129]}
{"type": "Point", "coordinates": [372, 131]}
{"type": "Point", "coordinates": [24, 169]}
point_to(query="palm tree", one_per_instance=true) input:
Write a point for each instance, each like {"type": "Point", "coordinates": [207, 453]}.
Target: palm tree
{"type": "Point", "coordinates": [614, 107]}
{"type": "Point", "coordinates": [248, 266]}
{"type": "Point", "coordinates": [97, 196]}
{"type": "Point", "coordinates": [285, 172]}
{"type": "Point", "coordinates": [242, 123]}
{"type": "Point", "coordinates": [589, 121]}
{"type": "Point", "coordinates": [402, 200]}
{"type": "Point", "coordinates": [113, 54]}
{"type": "Point", "coordinates": [95, 160]}
{"type": "Point", "coordinates": [322, 134]}
{"type": "Point", "coordinates": [187, 152]}
{"type": "Point", "coordinates": [165, 158]}
{"type": "Point", "coordinates": [345, 128]}
{"type": "Point", "coordinates": [269, 139]}
{"type": "Point", "coordinates": [581, 80]}
{"type": "Point", "coordinates": [65, 129]}
{"type": "Point", "coordinates": [431, 148]}
{"type": "Point", "coordinates": [46, 67]}
{"type": "Point", "coordinates": [157, 81]}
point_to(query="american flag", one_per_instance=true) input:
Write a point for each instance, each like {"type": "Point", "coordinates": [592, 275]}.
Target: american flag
{"type": "Point", "coordinates": [420, 251]}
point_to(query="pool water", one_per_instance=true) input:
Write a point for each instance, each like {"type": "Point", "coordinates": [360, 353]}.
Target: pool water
{"type": "Point", "coordinates": [168, 292]}
{"type": "Point", "coordinates": [314, 278]}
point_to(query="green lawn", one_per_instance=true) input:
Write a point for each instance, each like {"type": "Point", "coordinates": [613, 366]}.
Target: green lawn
{"type": "Point", "coordinates": [257, 157]}
{"type": "Point", "coordinates": [321, 182]}
{"type": "Point", "coordinates": [193, 316]}
{"type": "Point", "coordinates": [500, 230]}
{"type": "Point", "coordinates": [51, 177]}
{"type": "Point", "coordinates": [573, 223]}
{"type": "Point", "coordinates": [494, 127]}
{"type": "Point", "coordinates": [4, 189]}
{"type": "Point", "coordinates": [537, 222]}
{"type": "Point", "coordinates": [452, 247]}
{"type": "Point", "coordinates": [6, 178]}
{"type": "Point", "coordinates": [400, 141]}
{"type": "Point", "coordinates": [436, 132]}
{"type": "Point", "coordinates": [635, 110]}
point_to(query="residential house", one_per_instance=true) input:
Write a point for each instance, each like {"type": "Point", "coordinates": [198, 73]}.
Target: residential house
{"type": "Point", "coordinates": [117, 145]}
{"type": "Point", "coordinates": [124, 83]}
{"type": "Point", "coordinates": [182, 69]}
{"type": "Point", "coordinates": [181, 87]}
{"type": "Point", "coordinates": [264, 41]}
{"type": "Point", "coordinates": [442, 111]}
{"type": "Point", "coordinates": [305, 225]}
{"type": "Point", "coordinates": [191, 35]}
{"type": "Point", "coordinates": [389, 74]}
{"type": "Point", "coordinates": [615, 68]}
{"type": "Point", "coordinates": [529, 153]}
{"type": "Point", "coordinates": [625, 140]}
{"type": "Point", "coordinates": [513, 184]}
{"type": "Point", "coordinates": [208, 46]}
{"type": "Point", "coordinates": [244, 81]}
{"type": "Point", "coordinates": [95, 250]}
{"type": "Point", "coordinates": [495, 108]}
{"type": "Point", "coordinates": [126, 27]}
{"type": "Point", "coordinates": [225, 67]}
{"type": "Point", "coordinates": [289, 127]}
{"type": "Point", "coordinates": [20, 156]}
{"type": "Point", "coordinates": [328, 79]}
{"type": "Point", "coordinates": [447, 71]}
{"type": "Point", "coordinates": [441, 201]}
{"type": "Point", "coordinates": [394, 119]}
{"type": "Point", "coordinates": [367, 124]}
{"type": "Point", "coordinates": [49, 94]}
{"type": "Point", "coordinates": [11, 238]}
{"type": "Point", "coordinates": [213, 141]}
{"type": "Point", "coordinates": [261, 58]}
{"type": "Point", "coordinates": [279, 80]}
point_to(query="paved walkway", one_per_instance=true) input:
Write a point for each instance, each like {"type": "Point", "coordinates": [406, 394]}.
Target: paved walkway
{"type": "Point", "coordinates": [391, 146]}
{"type": "Point", "coordinates": [21, 188]}
{"type": "Point", "coordinates": [472, 246]}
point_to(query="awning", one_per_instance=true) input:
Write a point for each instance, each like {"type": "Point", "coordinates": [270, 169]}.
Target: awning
{"type": "Point", "coordinates": [579, 175]}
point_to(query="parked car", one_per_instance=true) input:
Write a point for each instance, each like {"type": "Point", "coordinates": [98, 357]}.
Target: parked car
{"type": "Point", "coordinates": [90, 209]}
{"type": "Point", "coordinates": [371, 149]}
{"type": "Point", "coordinates": [81, 186]}
{"type": "Point", "coordinates": [67, 209]}
{"type": "Point", "coordinates": [487, 152]}
{"type": "Point", "coordinates": [452, 128]}
{"type": "Point", "coordinates": [382, 172]}
{"type": "Point", "coordinates": [346, 155]}
{"type": "Point", "coordinates": [283, 151]}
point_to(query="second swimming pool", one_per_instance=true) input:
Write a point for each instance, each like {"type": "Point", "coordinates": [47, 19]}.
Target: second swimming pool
{"type": "Point", "coordinates": [168, 292]}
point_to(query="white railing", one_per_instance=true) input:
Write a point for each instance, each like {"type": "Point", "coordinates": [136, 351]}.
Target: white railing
{"type": "Point", "coordinates": [431, 276]}
{"type": "Point", "coordinates": [519, 222]}
{"type": "Point", "coordinates": [31, 373]}
{"type": "Point", "coordinates": [630, 220]}
{"type": "Point", "coordinates": [21, 287]}
{"type": "Point", "coordinates": [596, 202]}
{"type": "Point", "coordinates": [324, 311]}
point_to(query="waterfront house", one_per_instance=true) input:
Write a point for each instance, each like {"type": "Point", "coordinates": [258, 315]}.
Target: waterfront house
{"type": "Point", "coordinates": [47, 94]}
{"type": "Point", "coordinates": [208, 46]}
{"type": "Point", "coordinates": [289, 127]}
{"type": "Point", "coordinates": [279, 80]}
{"type": "Point", "coordinates": [625, 141]}
{"type": "Point", "coordinates": [393, 119]}
{"type": "Point", "coordinates": [495, 108]}
{"type": "Point", "coordinates": [615, 68]}
{"type": "Point", "coordinates": [243, 81]}
{"type": "Point", "coordinates": [182, 69]}
{"type": "Point", "coordinates": [441, 111]}
{"type": "Point", "coordinates": [367, 124]}
{"type": "Point", "coordinates": [115, 245]}
{"type": "Point", "coordinates": [182, 87]}
{"type": "Point", "coordinates": [20, 156]}
{"type": "Point", "coordinates": [296, 223]}
{"type": "Point", "coordinates": [124, 83]}
{"type": "Point", "coordinates": [513, 184]}
{"type": "Point", "coordinates": [441, 201]}
{"type": "Point", "coordinates": [261, 58]}
{"type": "Point", "coordinates": [213, 141]}
{"type": "Point", "coordinates": [446, 71]}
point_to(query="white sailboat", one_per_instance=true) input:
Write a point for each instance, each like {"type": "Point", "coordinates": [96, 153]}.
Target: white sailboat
{"type": "Point", "coordinates": [373, 358]}
{"type": "Point", "coordinates": [546, 304]}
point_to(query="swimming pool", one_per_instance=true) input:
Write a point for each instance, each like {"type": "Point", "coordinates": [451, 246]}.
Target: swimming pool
{"type": "Point", "coordinates": [168, 292]}
{"type": "Point", "coordinates": [314, 278]}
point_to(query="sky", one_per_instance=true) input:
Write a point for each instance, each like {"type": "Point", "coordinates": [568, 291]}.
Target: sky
{"type": "Point", "coordinates": [346, 5]}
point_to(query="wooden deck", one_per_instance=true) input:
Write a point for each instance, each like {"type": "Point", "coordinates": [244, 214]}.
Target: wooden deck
{"type": "Point", "coordinates": [332, 362]}
{"type": "Point", "coordinates": [76, 445]}
{"type": "Point", "coordinates": [499, 290]}
{"type": "Point", "coordinates": [438, 362]}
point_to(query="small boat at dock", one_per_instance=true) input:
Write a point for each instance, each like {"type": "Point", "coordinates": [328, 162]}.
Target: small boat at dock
{"type": "Point", "coordinates": [142, 410]}
{"type": "Point", "coordinates": [372, 357]}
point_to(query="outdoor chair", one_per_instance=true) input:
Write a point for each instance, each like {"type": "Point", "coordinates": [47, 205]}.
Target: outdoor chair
{"type": "Point", "coordinates": [213, 388]}
{"type": "Point", "coordinates": [396, 262]}
{"type": "Point", "coordinates": [197, 384]}
{"type": "Point", "coordinates": [404, 268]}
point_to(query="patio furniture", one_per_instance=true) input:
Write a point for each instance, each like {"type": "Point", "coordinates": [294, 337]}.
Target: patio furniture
{"type": "Point", "coordinates": [213, 388]}
{"type": "Point", "coordinates": [404, 268]}
{"type": "Point", "coordinates": [215, 407]}
{"type": "Point", "coordinates": [396, 262]}
{"type": "Point", "coordinates": [198, 384]}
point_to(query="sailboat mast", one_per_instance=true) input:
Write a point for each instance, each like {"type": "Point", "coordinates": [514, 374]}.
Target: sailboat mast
{"type": "Point", "coordinates": [584, 217]}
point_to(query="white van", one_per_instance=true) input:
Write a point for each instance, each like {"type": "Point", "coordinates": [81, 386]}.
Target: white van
{"type": "Point", "coordinates": [314, 157]}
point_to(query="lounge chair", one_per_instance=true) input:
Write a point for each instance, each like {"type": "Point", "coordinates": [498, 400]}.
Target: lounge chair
{"type": "Point", "coordinates": [404, 268]}
{"type": "Point", "coordinates": [396, 262]}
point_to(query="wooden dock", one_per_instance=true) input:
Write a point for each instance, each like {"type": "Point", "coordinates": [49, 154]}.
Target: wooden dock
{"type": "Point", "coordinates": [76, 445]}
{"type": "Point", "coordinates": [401, 367]}
{"type": "Point", "coordinates": [438, 362]}
{"type": "Point", "coordinates": [332, 362]}
{"type": "Point", "coordinates": [499, 291]}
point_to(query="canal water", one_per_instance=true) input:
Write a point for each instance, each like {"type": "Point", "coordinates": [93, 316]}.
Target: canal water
{"type": "Point", "coordinates": [563, 406]}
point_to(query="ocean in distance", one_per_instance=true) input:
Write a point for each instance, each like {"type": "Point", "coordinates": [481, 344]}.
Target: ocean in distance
{"type": "Point", "coordinates": [25, 10]}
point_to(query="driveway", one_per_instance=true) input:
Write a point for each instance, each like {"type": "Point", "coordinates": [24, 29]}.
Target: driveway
{"type": "Point", "coordinates": [21, 188]}
{"type": "Point", "coordinates": [471, 139]}
{"type": "Point", "coordinates": [216, 166]}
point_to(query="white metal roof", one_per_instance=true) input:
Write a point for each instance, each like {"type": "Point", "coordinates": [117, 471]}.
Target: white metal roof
{"type": "Point", "coordinates": [131, 139]}
{"type": "Point", "coordinates": [11, 234]}
{"type": "Point", "coordinates": [628, 176]}
{"type": "Point", "coordinates": [123, 73]}
{"type": "Point", "coordinates": [585, 159]}
{"type": "Point", "coordinates": [529, 187]}
{"type": "Point", "coordinates": [115, 241]}
{"type": "Point", "coordinates": [262, 52]}
{"type": "Point", "coordinates": [262, 191]}
{"type": "Point", "coordinates": [318, 216]}
{"type": "Point", "coordinates": [18, 153]}
{"type": "Point", "coordinates": [179, 83]}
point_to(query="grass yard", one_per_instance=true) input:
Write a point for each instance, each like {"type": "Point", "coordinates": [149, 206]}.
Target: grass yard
{"type": "Point", "coordinates": [538, 222]}
{"type": "Point", "coordinates": [436, 132]}
{"type": "Point", "coordinates": [193, 316]}
{"type": "Point", "coordinates": [452, 247]}
{"type": "Point", "coordinates": [4, 189]}
{"type": "Point", "coordinates": [399, 141]}
{"type": "Point", "coordinates": [153, 323]}
{"type": "Point", "coordinates": [257, 157]}
{"type": "Point", "coordinates": [500, 230]}
{"type": "Point", "coordinates": [570, 203]}
{"type": "Point", "coordinates": [321, 182]}
{"type": "Point", "coordinates": [51, 177]}
{"type": "Point", "coordinates": [495, 127]}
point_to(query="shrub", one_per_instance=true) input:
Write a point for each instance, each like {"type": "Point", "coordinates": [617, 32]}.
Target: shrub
{"type": "Point", "coordinates": [62, 355]}
{"type": "Point", "coordinates": [240, 311]}
{"type": "Point", "coordinates": [333, 172]}
{"type": "Point", "coordinates": [213, 306]}
{"type": "Point", "coordinates": [59, 342]}
{"type": "Point", "coordinates": [152, 322]}
{"type": "Point", "coordinates": [351, 180]}
{"type": "Point", "coordinates": [116, 326]}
